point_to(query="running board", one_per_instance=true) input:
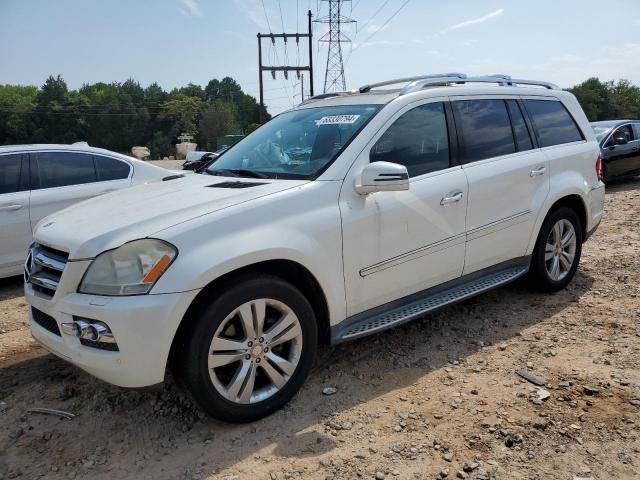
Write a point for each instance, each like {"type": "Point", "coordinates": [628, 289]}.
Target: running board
{"type": "Point", "coordinates": [430, 300]}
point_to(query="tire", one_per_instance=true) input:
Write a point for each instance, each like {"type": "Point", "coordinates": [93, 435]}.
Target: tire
{"type": "Point", "coordinates": [226, 336]}
{"type": "Point", "coordinates": [542, 274]}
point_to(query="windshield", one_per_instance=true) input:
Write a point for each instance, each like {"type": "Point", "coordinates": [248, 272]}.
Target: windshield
{"type": "Point", "coordinates": [600, 132]}
{"type": "Point", "coordinates": [295, 145]}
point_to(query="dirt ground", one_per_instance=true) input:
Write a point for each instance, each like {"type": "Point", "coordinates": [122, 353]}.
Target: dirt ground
{"type": "Point", "coordinates": [433, 399]}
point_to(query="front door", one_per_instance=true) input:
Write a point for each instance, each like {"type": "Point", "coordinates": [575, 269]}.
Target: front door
{"type": "Point", "coordinates": [15, 231]}
{"type": "Point", "coordinates": [622, 152]}
{"type": "Point", "coordinates": [399, 243]}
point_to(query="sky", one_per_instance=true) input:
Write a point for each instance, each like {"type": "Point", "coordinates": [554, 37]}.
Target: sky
{"type": "Point", "coordinates": [174, 42]}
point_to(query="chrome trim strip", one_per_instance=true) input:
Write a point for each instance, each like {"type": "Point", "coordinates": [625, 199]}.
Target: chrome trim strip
{"type": "Point", "coordinates": [44, 260]}
{"type": "Point", "coordinates": [413, 254]}
{"type": "Point", "coordinates": [498, 225]}
{"type": "Point", "coordinates": [44, 282]}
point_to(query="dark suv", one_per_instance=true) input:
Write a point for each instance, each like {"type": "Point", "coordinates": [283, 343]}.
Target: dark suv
{"type": "Point", "coordinates": [620, 146]}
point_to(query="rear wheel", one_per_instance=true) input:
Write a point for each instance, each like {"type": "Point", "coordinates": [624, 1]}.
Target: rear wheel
{"type": "Point", "coordinates": [557, 251]}
{"type": "Point", "coordinates": [251, 349]}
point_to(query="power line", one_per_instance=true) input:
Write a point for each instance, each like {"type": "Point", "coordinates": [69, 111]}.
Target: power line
{"type": "Point", "coordinates": [379, 29]}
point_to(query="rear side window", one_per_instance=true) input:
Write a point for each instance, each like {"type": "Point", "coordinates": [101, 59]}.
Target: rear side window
{"type": "Point", "coordinates": [59, 169]}
{"type": "Point", "coordinates": [12, 176]}
{"type": "Point", "coordinates": [418, 139]}
{"type": "Point", "coordinates": [520, 130]}
{"type": "Point", "coordinates": [484, 127]}
{"type": "Point", "coordinates": [553, 122]}
{"type": "Point", "coordinates": [111, 169]}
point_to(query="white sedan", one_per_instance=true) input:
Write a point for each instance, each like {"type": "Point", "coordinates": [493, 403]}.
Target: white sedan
{"type": "Point", "coordinates": [36, 180]}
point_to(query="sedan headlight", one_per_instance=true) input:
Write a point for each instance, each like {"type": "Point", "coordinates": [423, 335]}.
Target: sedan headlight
{"type": "Point", "coordinates": [131, 269]}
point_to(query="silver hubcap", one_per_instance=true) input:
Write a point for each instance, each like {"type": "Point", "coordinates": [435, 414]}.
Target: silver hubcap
{"type": "Point", "coordinates": [560, 249]}
{"type": "Point", "coordinates": [255, 351]}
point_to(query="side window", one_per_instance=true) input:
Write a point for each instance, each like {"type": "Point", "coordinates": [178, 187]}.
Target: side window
{"type": "Point", "coordinates": [59, 169]}
{"type": "Point", "coordinates": [553, 122]}
{"type": "Point", "coordinates": [418, 140]}
{"type": "Point", "coordinates": [13, 173]}
{"type": "Point", "coordinates": [636, 130]}
{"type": "Point", "coordinates": [485, 129]}
{"type": "Point", "coordinates": [625, 132]}
{"type": "Point", "coordinates": [520, 130]}
{"type": "Point", "coordinates": [111, 169]}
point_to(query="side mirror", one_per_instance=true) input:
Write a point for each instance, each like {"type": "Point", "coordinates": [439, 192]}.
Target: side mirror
{"type": "Point", "coordinates": [620, 141]}
{"type": "Point", "coordinates": [382, 177]}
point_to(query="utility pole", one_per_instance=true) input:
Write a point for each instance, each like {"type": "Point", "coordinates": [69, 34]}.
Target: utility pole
{"type": "Point", "coordinates": [334, 74]}
{"type": "Point", "coordinates": [285, 68]}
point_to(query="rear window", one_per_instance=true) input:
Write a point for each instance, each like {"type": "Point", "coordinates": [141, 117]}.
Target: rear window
{"type": "Point", "coordinates": [111, 169]}
{"type": "Point", "coordinates": [485, 129]}
{"type": "Point", "coordinates": [553, 122]}
{"type": "Point", "coordinates": [59, 169]}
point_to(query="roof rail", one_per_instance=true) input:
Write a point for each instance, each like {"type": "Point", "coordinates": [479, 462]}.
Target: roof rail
{"type": "Point", "coordinates": [366, 88]}
{"type": "Point", "coordinates": [500, 79]}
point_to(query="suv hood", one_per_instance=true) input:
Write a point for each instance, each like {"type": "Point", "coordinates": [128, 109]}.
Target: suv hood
{"type": "Point", "coordinates": [105, 222]}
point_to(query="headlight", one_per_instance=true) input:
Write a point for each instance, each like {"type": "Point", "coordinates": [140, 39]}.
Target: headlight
{"type": "Point", "coordinates": [131, 269]}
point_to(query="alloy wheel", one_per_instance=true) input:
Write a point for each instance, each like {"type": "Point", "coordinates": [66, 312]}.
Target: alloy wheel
{"type": "Point", "coordinates": [560, 249]}
{"type": "Point", "coordinates": [255, 351]}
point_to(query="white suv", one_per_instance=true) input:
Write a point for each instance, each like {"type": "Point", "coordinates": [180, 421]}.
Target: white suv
{"type": "Point", "coordinates": [350, 214]}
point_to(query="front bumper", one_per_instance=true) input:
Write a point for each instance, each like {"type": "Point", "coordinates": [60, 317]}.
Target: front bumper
{"type": "Point", "coordinates": [143, 326]}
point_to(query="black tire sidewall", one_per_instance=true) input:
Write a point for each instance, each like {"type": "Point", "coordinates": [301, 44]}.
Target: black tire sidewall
{"type": "Point", "coordinates": [541, 278]}
{"type": "Point", "coordinates": [194, 358]}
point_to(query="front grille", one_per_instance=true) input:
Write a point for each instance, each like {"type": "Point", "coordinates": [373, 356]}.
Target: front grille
{"type": "Point", "coordinates": [44, 267]}
{"type": "Point", "coordinates": [45, 321]}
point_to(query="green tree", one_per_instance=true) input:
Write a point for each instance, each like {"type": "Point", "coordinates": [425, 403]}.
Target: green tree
{"type": "Point", "coordinates": [218, 118]}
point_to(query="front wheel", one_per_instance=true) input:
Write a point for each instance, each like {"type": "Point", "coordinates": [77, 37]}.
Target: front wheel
{"type": "Point", "coordinates": [251, 349]}
{"type": "Point", "coordinates": [557, 251]}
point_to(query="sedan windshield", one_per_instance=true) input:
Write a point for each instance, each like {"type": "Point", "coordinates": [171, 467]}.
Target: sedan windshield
{"type": "Point", "coordinates": [295, 145]}
{"type": "Point", "coordinates": [600, 132]}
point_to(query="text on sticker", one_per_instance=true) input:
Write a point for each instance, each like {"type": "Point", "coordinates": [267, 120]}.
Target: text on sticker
{"type": "Point", "coordinates": [338, 119]}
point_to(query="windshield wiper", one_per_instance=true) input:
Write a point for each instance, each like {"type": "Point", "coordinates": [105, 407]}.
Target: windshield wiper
{"type": "Point", "coordinates": [240, 172]}
{"type": "Point", "coordinates": [221, 173]}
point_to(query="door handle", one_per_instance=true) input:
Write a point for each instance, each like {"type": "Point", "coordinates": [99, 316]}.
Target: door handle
{"type": "Point", "coordinates": [109, 190]}
{"type": "Point", "coordinates": [456, 197]}
{"type": "Point", "coordinates": [537, 171]}
{"type": "Point", "coordinates": [10, 208]}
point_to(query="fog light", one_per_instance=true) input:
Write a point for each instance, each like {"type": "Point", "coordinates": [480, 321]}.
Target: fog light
{"type": "Point", "coordinates": [92, 333]}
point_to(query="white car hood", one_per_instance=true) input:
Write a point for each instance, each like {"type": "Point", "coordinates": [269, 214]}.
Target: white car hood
{"type": "Point", "coordinates": [105, 222]}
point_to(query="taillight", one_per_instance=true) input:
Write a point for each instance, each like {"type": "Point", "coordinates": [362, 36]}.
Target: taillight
{"type": "Point", "coordinates": [599, 167]}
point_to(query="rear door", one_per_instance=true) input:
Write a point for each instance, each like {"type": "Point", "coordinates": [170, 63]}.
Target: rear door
{"type": "Point", "coordinates": [60, 179]}
{"type": "Point", "coordinates": [15, 231]}
{"type": "Point", "coordinates": [508, 178]}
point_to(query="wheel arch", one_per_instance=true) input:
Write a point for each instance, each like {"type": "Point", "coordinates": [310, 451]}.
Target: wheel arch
{"type": "Point", "coordinates": [288, 270]}
{"type": "Point", "coordinates": [573, 201]}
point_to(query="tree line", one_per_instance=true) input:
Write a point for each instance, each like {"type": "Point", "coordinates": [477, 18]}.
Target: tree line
{"type": "Point", "coordinates": [608, 100]}
{"type": "Point", "coordinates": [118, 116]}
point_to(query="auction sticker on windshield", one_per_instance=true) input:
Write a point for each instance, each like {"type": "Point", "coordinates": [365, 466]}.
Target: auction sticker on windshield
{"type": "Point", "coordinates": [338, 119]}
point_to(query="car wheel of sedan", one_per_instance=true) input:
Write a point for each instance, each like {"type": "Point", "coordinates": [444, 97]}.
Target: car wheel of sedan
{"type": "Point", "coordinates": [251, 349]}
{"type": "Point", "coordinates": [557, 251]}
